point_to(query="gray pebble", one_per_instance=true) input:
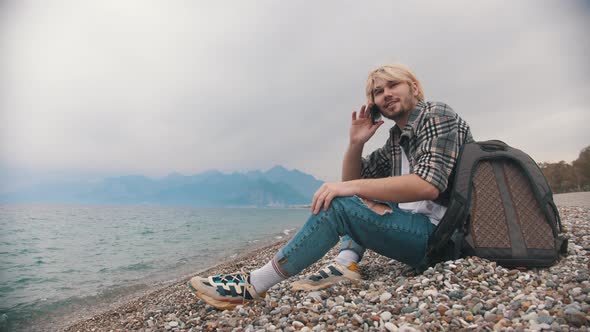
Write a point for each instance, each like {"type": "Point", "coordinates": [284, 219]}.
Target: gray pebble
{"type": "Point", "coordinates": [551, 284]}
{"type": "Point", "coordinates": [545, 319]}
{"type": "Point", "coordinates": [385, 296]}
{"type": "Point", "coordinates": [386, 316]}
{"type": "Point", "coordinates": [456, 295]}
{"type": "Point", "coordinates": [489, 317]}
{"type": "Point", "coordinates": [476, 308]}
{"type": "Point", "coordinates": [408, 310]}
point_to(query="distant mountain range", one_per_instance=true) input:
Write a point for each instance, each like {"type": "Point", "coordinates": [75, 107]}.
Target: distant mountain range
{"type": "Point", "coordinates": [276, 187]}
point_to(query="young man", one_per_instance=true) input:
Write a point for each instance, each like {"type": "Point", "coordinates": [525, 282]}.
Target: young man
{"type": "Point", "coordinates": [389, 202]}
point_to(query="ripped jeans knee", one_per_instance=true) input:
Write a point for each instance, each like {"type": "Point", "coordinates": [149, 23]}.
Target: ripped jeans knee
{"type": "Point", "coordinates": [379, 208]}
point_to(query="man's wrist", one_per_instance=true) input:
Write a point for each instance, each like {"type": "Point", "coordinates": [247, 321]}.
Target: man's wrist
{"type": "Point", "coordinates": [356, 186]}
{"type": "Point", "coordinates": [356, 145]}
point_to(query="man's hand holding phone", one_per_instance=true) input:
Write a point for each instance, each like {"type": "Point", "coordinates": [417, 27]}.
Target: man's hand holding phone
{"type": "Point", "coordinates": [366, 124]}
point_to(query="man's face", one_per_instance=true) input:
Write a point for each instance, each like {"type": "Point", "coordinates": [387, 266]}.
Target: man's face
{"type": "Point", "coordinates": [394, 98]}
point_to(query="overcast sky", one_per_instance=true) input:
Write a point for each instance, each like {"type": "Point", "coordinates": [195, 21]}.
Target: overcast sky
{"type": "Point", "coordinates": [154, 87]}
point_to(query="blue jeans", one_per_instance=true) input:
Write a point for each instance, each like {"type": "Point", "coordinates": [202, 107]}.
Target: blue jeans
{"type": "Point", "coordinates": [399, 235]}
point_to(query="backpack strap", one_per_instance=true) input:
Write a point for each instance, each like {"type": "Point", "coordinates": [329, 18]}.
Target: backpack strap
{"type": "Point", "coordinates": [493, 145]}
{"type": "Point", "coordinates": [556, 213]}
{"type": "Point", "coordinates": [453, 219]}
{"type": "Point", "coordinates": [458, 207]}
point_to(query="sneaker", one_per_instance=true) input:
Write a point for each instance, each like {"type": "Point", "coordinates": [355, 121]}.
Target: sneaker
{"type": "Point", "coordinates": [225, 291]}
{"type": "Point", "coordinates": [328, 276]}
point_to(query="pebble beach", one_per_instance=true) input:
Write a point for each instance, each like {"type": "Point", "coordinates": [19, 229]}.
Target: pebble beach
{"type": "Point", "coordinates": [470, 294]}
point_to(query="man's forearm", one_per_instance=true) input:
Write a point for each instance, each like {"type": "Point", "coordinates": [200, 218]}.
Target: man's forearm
{"type": "Point", "coordinates": [398, 189]}
{"type": "Point", "coordinates": [351, 166]}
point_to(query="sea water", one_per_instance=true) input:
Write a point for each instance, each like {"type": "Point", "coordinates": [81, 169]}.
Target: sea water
{"type": "Point", "coordinates": [54, 258]}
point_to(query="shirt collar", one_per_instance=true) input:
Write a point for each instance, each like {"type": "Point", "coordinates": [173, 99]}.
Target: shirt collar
{"type": "Point", "coordinates": [411, 126]}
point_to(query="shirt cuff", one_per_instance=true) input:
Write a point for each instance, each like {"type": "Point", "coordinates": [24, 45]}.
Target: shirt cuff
{"type": "Point", "coordinates": [432, 175]}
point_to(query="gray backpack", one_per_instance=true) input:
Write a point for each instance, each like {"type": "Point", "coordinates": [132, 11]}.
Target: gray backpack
{"type": "Point", "coordinates": [501, 208]}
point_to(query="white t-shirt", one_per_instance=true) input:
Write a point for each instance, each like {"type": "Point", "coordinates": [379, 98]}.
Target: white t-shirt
{"type": "Point", "coordinates": [432, 210]}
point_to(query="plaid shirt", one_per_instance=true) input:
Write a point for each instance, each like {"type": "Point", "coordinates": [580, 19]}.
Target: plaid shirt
{"type": "Point", "coordinates": [431, 140]}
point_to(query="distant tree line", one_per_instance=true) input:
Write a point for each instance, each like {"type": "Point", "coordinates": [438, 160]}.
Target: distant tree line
{"type": "Point", "coordinates": [564, 177]}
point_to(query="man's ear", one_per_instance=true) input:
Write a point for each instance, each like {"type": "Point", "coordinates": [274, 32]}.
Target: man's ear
{"type": "Point", "coordinates": [414, 89]}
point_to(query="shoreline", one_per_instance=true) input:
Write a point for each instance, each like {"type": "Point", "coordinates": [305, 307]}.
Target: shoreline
{"type": "Point", "coordinates": [565, 304]}
{"type": "Point", "coordinates": [230, 264]}
{"type": "Point", "coordinates": [84, 311]}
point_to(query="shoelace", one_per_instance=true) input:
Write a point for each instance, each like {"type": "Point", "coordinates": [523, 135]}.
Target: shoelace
{"type": "Point", "coordinates": [244, 276]}
{"type": "Point", "coordinates": [225, 279]}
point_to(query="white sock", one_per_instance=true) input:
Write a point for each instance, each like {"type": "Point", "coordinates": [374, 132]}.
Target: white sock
{"type": "Point", "coordinates": [265, 277]}
{"type": "Point", "coordinates": [347, 257]}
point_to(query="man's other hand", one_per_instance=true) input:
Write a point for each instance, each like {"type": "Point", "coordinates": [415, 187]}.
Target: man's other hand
{"type": "Point", "coordinates": [362, 127]}
{"type": "Point", "coordinates": [328, 191]}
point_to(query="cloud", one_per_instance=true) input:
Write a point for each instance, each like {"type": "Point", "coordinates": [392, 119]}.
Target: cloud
{"type": "Point", "coordinates": [157, 87]}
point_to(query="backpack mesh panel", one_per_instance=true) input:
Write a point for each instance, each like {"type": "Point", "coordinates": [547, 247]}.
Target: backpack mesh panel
{"type": "Point", "coordinates": [536, 231]}
{"type": "Point", "coordinates": [488, 224]}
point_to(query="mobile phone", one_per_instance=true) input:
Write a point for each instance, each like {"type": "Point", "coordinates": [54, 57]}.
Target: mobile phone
{"type": "Point", "coordinates": [375, 114]}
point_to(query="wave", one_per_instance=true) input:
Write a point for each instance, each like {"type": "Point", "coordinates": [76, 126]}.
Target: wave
{"type": "Point", "coordinates": [288, 231]}
{"type": "Point", "coordinates": [138, 267]}
{"type": "Point", "coordinates": [29, 251]}
{"type": "Point", "coordinates": [131, 267]}
{"type": "Point", "coordinates": [54, 248]}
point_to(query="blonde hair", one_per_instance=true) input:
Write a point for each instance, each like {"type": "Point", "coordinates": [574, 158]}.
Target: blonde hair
{"type": "Point", "coordinates": [394, 72]}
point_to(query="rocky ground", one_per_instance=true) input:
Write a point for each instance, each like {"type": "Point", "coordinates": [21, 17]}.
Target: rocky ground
{"type": "Point", "coordinates": [466, 294]}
